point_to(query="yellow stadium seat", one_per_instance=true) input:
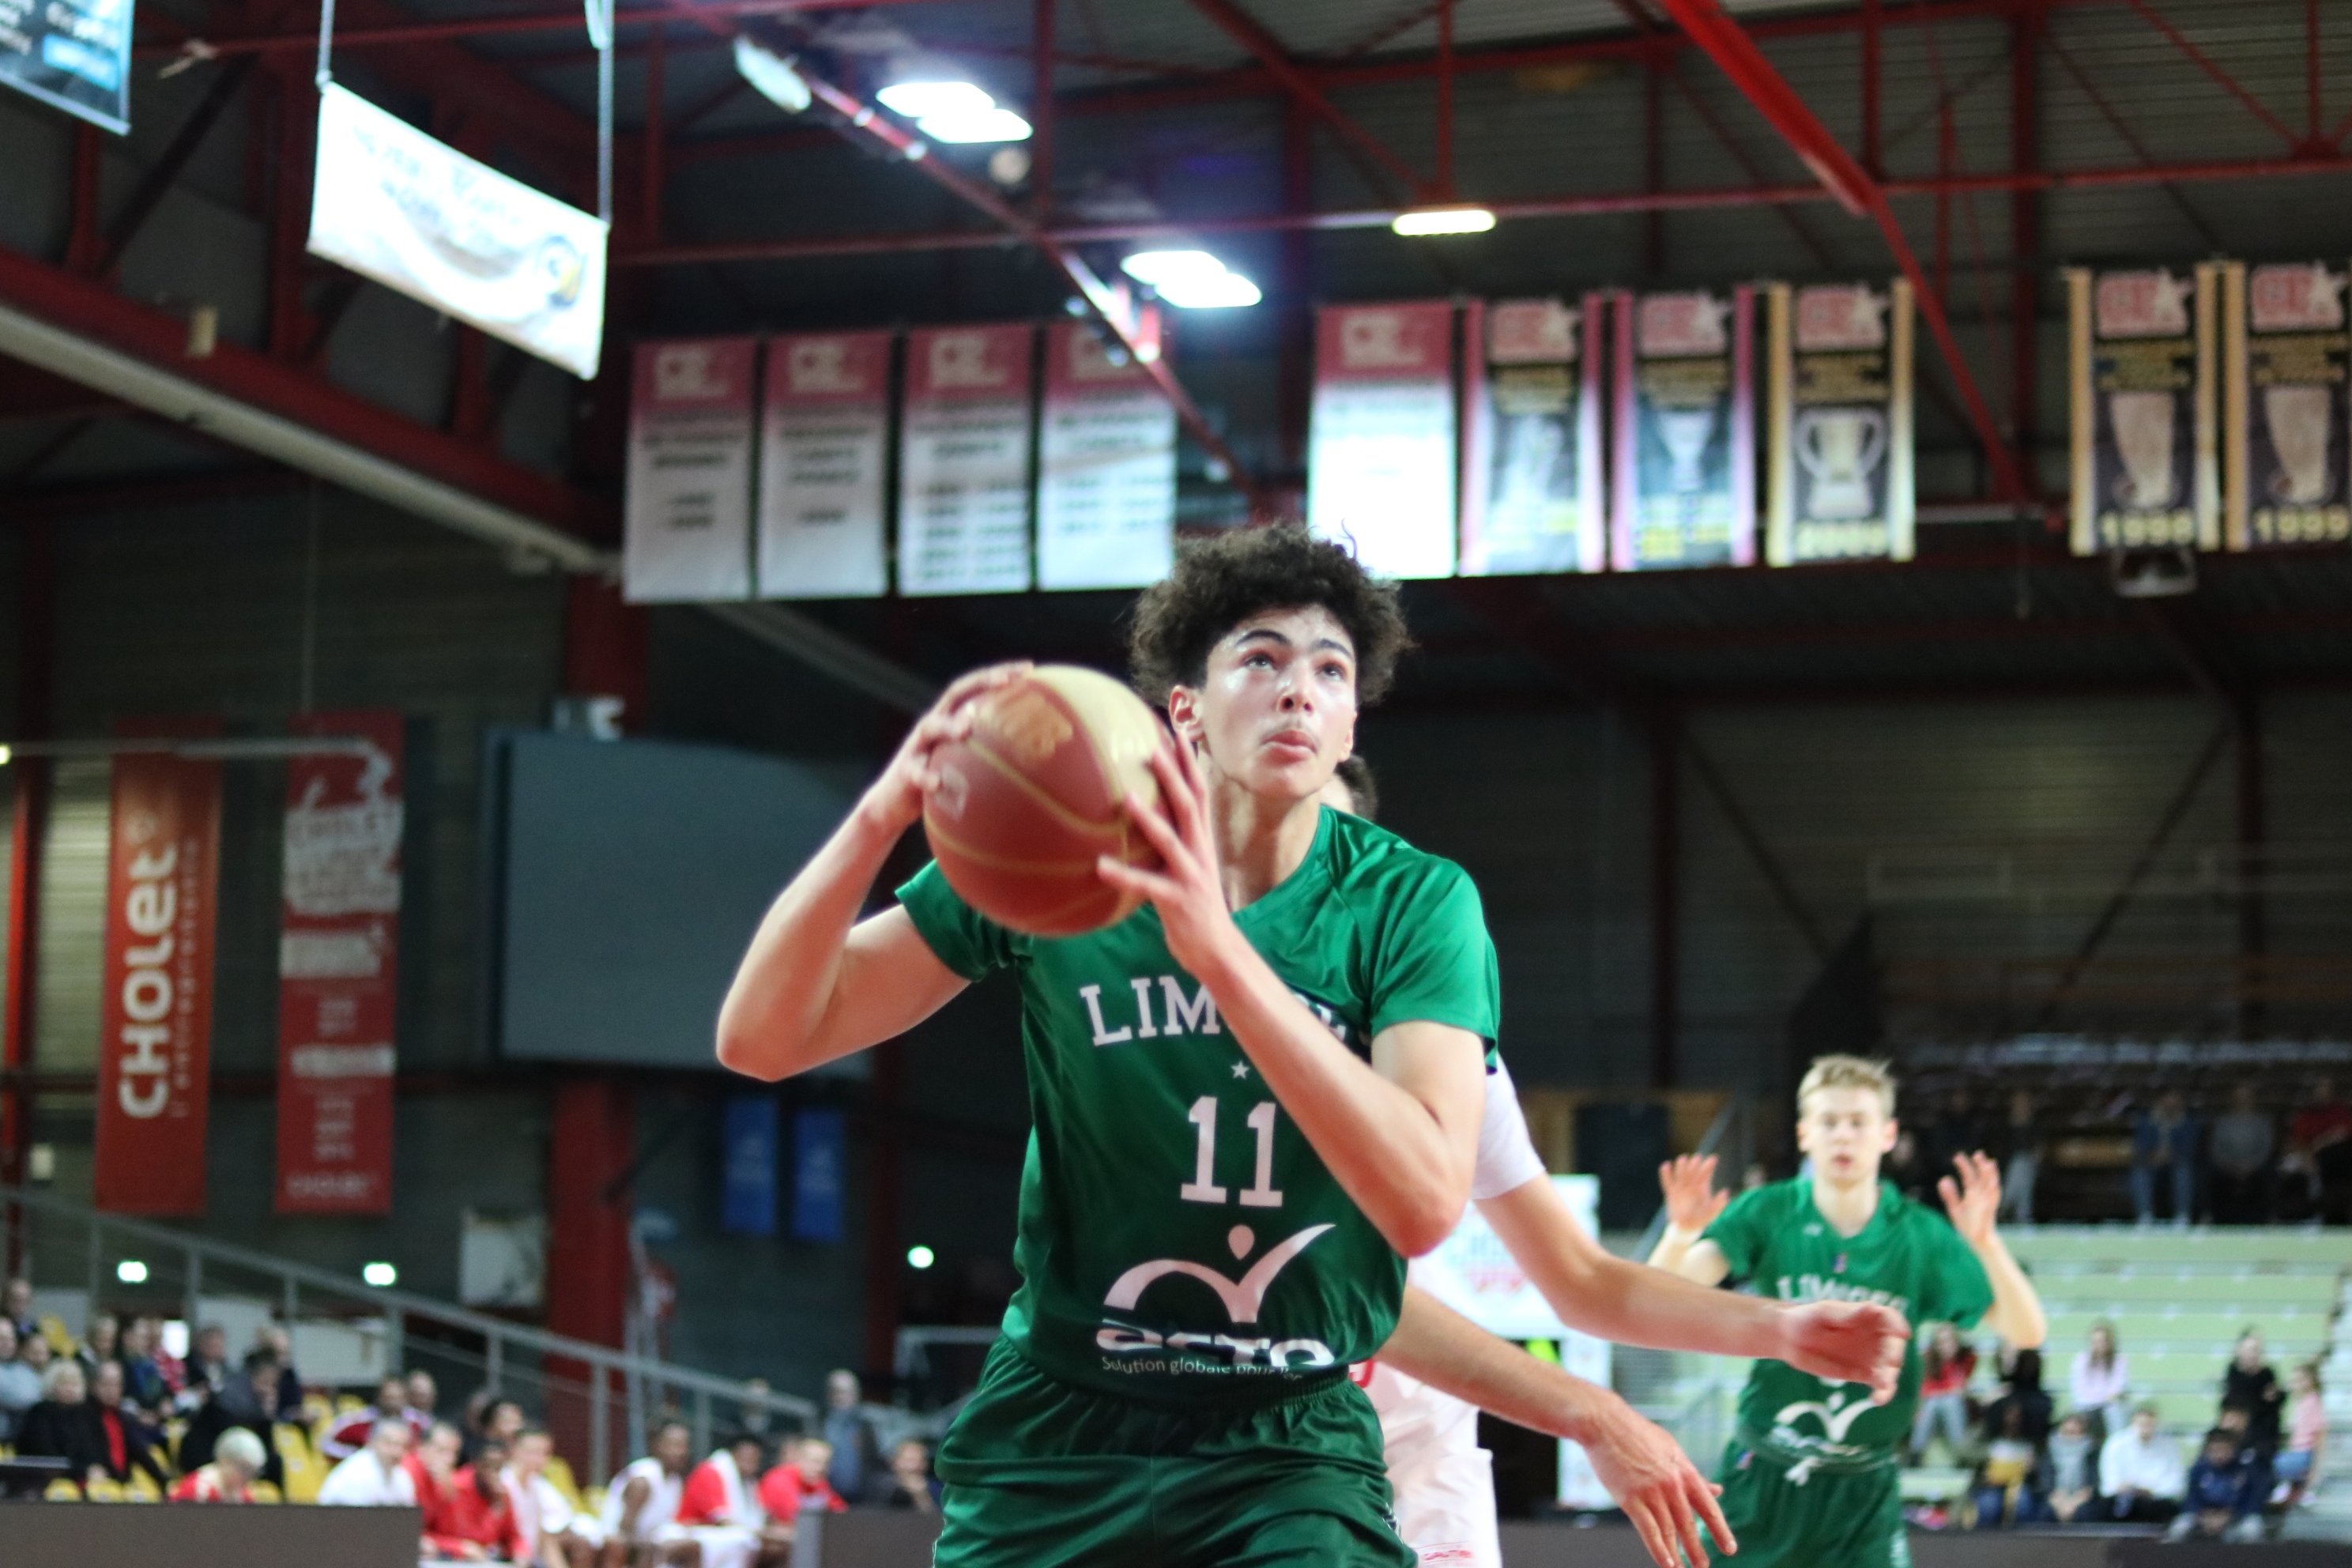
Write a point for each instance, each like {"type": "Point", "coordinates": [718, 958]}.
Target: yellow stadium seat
{"type": "Point", "coordinates": [106, 1489]}
{"type": "Point", "coordinates": [142, 1489]}
{"type": "Point", "coordinates": [347, 1403]}
{"type": "Point", "coordinates": [61, 1491]}
{"type": "Point", "coordinates": [559, 1476]}
{"type": "Point", "coordinates": [263, 1491]}
{"type": "Point", "coordinates": [306, 1470]}
{"type": "Point", "coordinates": [54, 1330]}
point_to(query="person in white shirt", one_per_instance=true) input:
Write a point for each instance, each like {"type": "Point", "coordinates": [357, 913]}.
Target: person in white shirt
{"type": "Point", "coordinates": [641, 1506]}
{"type": "Point", "coordinates": [2140, 1474]}
{"type": "Point", "coordinates": [553, 1535]}
{"type": "Point", "coordinates": [2101, 1381]}
{"type": "Point", "coordinates": [1443, 1481]}
{"type": "Point", "coordinates": [374, 1476]}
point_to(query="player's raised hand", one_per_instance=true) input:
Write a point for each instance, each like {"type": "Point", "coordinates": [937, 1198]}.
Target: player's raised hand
{"type": "Point", "coordinates": [1186, 889]}
{"type": "Point", "coordinates": [1846, 1341]}
{"type": "Point", "coordinates": [1973, 1202]}
{"type": "Point", "coordinates": [1692, 1202]}
{"type": "Point", "coordinates": [1660, 1489]}
{"type": "Point", "coordinates": [897, 797]}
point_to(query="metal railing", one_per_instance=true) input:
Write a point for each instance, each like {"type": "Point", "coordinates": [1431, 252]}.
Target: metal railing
{"type": "Point", "coordinates": [583, 1386]}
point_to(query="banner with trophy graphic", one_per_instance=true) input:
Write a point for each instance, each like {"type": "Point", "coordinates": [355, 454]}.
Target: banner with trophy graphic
{"type": "Point", "coordinates": [1684, 480]}
{"type": "Point", "coordinates": [1381, 455]}
{"type": "Point", "coordinates": [1532, 498]}
{"type": "Point", "coordinates": [1839, 478]}
{"type": "Point", "coordinates": [2286, 416]}
{"type": "Point", "coordinates": [2146, 468]}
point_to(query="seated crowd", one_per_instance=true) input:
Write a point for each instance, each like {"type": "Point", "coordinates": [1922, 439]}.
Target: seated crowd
{"type": "Point", "coordinates": [2105, 1460]}
{"type": "Point", "coordinates": [2273, 1152]}
{"type": "Point", "coordinates": [130, 1421]}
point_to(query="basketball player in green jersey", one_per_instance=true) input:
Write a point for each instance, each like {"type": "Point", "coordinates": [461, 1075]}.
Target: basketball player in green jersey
{"type": "Point", "coordinates": [1810, 1478]}
{"type": "Point", "coordinates": [1252, 1098]}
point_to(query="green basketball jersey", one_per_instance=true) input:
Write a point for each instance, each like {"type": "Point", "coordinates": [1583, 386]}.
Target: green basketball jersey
{"type": "Point", "coordinates": [1907, 1258]}
{"type": "Point", "coordinates": [1180, 1240]}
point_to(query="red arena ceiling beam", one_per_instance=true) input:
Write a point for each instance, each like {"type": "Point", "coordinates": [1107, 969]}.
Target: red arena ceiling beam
{"type": "Point", "coordinates": [383, 32]}
{"type": "Point", "coordinates": [1851, 184]}
{"type": "Point", "coordinates": [1246, 31]}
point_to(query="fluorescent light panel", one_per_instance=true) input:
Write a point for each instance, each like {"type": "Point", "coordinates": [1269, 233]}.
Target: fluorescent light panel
{"type": "Point", "coordinates": [922, 100]}
{"type": "Point", "coordinates": [1223, 291]}
{"type": "Point", "coordinates": [1443, 220]}
{"type": "Point", "coordinates": [969, 126]}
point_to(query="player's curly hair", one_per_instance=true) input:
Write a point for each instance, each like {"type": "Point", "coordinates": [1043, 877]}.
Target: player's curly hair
{"type": "Point", "coordinates": [1220, 582]}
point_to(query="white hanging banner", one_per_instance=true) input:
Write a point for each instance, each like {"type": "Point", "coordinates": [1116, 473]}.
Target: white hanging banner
{"type": "Point", "coordinates": [964, 462]}
{"type": "Point", "coordinates": [1839, 478]}
{"type": "Point", "coordinates": [1381, 459]}
{"type": "Point", "coordinates": [825, 458]}
{"type": "Point", "coordinates": [393, 203]}
{"type": "Point", "coordinates": [1106, 469]}
{"type": "Point", "coordinates": [2145, 415]}
{"type": "Point", "coordinates": [688, 522]}
{"type": "Point", "coordinates": [1686, 461]}
{"type": "Point", "coordinates": [1533, 499]}
{"type": "Point", "coordinates": [2287, 368]}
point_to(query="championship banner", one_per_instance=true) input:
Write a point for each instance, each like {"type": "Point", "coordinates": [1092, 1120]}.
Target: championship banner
{"type": "Point", "coordinates": [156, 1020]}
{"type": "Point", "coordinates": [1381, 457]}
{"type": "Point", "coordinates": [1839, 478]}
{"type": "Point", "coordinates": [1686, 458]}
{"type": "Point", "coordinates": [825, 458]}
{"type": "Point", "coordinates": [73, 55]}
{"type": "Point", "coordinates": [687, 523]}
{"type": "Point", "coordinates": [1106, 469]}
{"type": "Point", "coordinates": [1533, 500]}
{"type": "Point", "coordinates": [2146, 473]}
{"type": "Point", "coordinates": [339, 969]}
{"type": "Point", "coordinates": [964, 462]}
{"type": "Point", "coordinates": [2287, 419]}
{"type": "Point", "coordinates": [419, 217]}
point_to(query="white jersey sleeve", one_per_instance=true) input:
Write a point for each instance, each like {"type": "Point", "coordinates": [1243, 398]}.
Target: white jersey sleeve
{"type": "Point", "coordinates": [1506, 1155]}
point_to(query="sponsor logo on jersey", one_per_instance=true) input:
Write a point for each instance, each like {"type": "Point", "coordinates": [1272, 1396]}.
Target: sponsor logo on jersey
{"type": "Point", "coordinates": [1164, 1008]}
{"type": "Point", "coordinates": [1242, 1300]}
{"type": "Point", "coordinates": [1814, 1288]}
{"type": "Point", "coordinates": [1836, 1414]}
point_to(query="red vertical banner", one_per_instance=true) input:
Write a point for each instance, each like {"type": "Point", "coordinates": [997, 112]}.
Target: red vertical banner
{"type": "Point", "coordinates": [155, 1047]}
{"type": "Point", "coordinates": [338, 968]}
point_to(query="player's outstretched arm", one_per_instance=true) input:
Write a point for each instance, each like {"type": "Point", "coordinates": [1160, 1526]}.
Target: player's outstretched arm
{"type": "Point", "coordinates": [1692, 1203]}
{"type": "Point", "coordinates": [1645, 1470]}
{"type": "Point", "coordinates": [1400, 1136]}
{"type": "Point", "coordinates": [1614, 1298]}
{"type": "Point", "coordinates": [818, 984]}
{"type": "Point", "coordinates": [1974, 1203]}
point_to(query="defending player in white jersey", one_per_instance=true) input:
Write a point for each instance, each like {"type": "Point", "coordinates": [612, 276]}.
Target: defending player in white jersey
{"type": "Point", "coordinates": [1443, 1481]}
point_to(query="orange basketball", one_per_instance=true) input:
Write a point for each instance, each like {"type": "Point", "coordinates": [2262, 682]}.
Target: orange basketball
{"type": "Point", "coordinates": [1037, 791]}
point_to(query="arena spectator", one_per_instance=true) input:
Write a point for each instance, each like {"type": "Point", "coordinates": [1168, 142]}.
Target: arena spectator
{"type": "Point", "coordinates": [247, 1401]}
{"type": "Point", "coordinates": [2251, 1385]}
{"type": "Point", "coordinates": [2238, 1154]}
{"type": "Point", "coordinates": [377, 1475]}
{"type": "Point", "coordinates": [553, 1535]}
{"type": "Point", "coordinates": [477, 1520]}
{"type": "Point", "coordinates": [431, 1465]}
{"type": "Point", "coordinates": [2013, 1484]}
{"type": "Point", "coordinates": [2074, 1469]}
{"type": "Point", "coordinates": [499, 1420]}
{"type": "Point", "coordinates": [640, 1518]}
{"type": "Point", "coordinates": [207, 1364]}
{"type": "Point", "coordinates": [2321, 1134]}
{"type": "Point", "coordinates": [2020, 1152]}
{"type": "Point", "coordinates": [35, 1351]}
{"type": "Point", "coordinates": [18, 1308]}
{"type": "Point", "coordinates": [102, 1342]}
{"type": "Point", "coordinates": [20, 1384]}
{"type": "Point", "coordinates": [350, 1432]}
{"type": "Point", "coordinates": [423, 1400]}
{"type": "Point", "coordinates": [801, 1481]}
{"type": "Point", "coordinates": [1945, 1368]}
{"type": "Point", "coordinates": [912, 1484]}
{"type": "Point", "coordinates": [2021, 1391]}
{"type": "Point", "coordinates": [752, 1416]}
{"type": "Point", "coordinates": [273, 1338]}
{"type": "Point", "coordinates": [2306, 1436]}
{"type": "Point", "coordinates": [2217, 1506]}
{"type": "Point", "coordinates": [849, 1427]}
{"type": "Point", "coordinates": [131, 1444]}
{"type": "Point", "coordinates": [2140, 1476]}
{"type": "Point", "coordinates": [2164, 1143]}
{"type": "Point", "coordinates": [2100, 1382]}
{"type": "Point", "coordinates": [66, 1425]}
{"type": "Point", "coordinates": [721, 1508]}
{"type": "Point", "coordinates": [147, 1369]}
{"type": "Point", "coordinates": [229, 1477]}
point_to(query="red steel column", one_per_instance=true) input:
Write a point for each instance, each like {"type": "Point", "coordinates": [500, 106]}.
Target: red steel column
{"type": "Point", "coordinates": [1041, 111]}
{"type": "Point", "coordinates": [2025, 244]}
{"type": "Point", "coordinates": [28, 828]}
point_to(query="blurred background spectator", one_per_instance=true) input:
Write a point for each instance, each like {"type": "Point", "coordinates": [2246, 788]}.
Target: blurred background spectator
{"type": "Point", "coordinates": [2237, 1156]}
{"type": "Point", "coordinates": [476, 1521]}
{"type": "Point", "coordinates": [17, 1308]}
{"type": "Point", "coordinates": [2012, 1486]}
{"type": "Point", "coordinates": [20, 1386]}
{"type": "Point", "coordinates": [131, 1444]}
{"type": "Point", "coordinates": [2073, 1470]}
{"type": "Point", "coordinates": [102, 1342]}
{"type": "Point", "coordinates": [2099, 1384]}
{"type": "Point", "coordinates": [236, 1464]}
{"type": "Point", "coordinates": [849, 1426]}
{"type": "Point", "coordinates": [349, 1434]}
{"type": "Point", "coordinates": [2140, 1475]}
{"type": "Point", "coordinates": [2297, 1466]}
{"type": "Point", "coordinates": [377, 1475]}
{"type": "Point", "coordinates": [2019, 1149]}
{"type": "Point", "coordinates": [247, 1399]}
{"type": "Point", "coordinates": [2021, 1391]}
{"type": "Point", "coordinates": [64, 1425]}
{"type": "Point", "coordinates": [2251, 1387]}
{"type": "Point", "coordinates": [912, 1485]}
{"type": "Point", "coordinates": [2164, 1147]}
{"type": "Point", "coordinates": [2321, 1134]}
{"type": "Point", "coordinates": [1945, 1368]}
{"type": "Point", "coordinates": [2217, 1506]}
{"type": "Point", "coordinates": [800, 1481]}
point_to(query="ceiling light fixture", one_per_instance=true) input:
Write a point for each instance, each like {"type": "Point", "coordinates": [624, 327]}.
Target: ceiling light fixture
{"type": "Point", "coordinates": [922, 100]}
{"type": "Point", "coordinates": [772, 75]}
{"type": "Point", "coordinates": [1192, 279]}
{"type": "Point", "coordinates": [1443, 220]}
{"type": "Point", "coordinates": [964, 127]}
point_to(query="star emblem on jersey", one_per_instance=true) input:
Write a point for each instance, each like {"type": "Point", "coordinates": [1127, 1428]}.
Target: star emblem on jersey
{"type": "Point", "coordinates": [1241, 1069]}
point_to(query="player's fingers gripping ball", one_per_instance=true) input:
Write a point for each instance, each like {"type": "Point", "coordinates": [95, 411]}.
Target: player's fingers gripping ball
{"type": "Point", "coordinates": [1022, 807]}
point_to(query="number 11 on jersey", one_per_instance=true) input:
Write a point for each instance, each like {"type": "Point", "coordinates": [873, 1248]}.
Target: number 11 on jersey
{"type": "Point", "coordinates": [1261, 1193]}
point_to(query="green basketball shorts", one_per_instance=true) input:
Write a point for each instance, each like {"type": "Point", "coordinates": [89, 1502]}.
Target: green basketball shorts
{"type": "Point", "coordinates": [1040, 1473]}
{"type": "Point", "coordinates": [1793, 1517]}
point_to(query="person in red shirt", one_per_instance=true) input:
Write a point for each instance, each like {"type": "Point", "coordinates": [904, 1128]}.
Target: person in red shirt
{"type": "Point", "coordinates": [799, 1482]}
{"type": "Point", "coordinates": [237, 1459]}
{"type": "Point", "coordinates": [431, 1467]}
{"type": "Point", "coordinates": [350, 1432]}
{"type": "Point", "coordinates": [476, 1521]}
{"type": "Point", "coordinates": [720, 1507]}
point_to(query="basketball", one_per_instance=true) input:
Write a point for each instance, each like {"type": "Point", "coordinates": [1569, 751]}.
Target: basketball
{"type": "Point", "coordinates": [1026, 803]}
